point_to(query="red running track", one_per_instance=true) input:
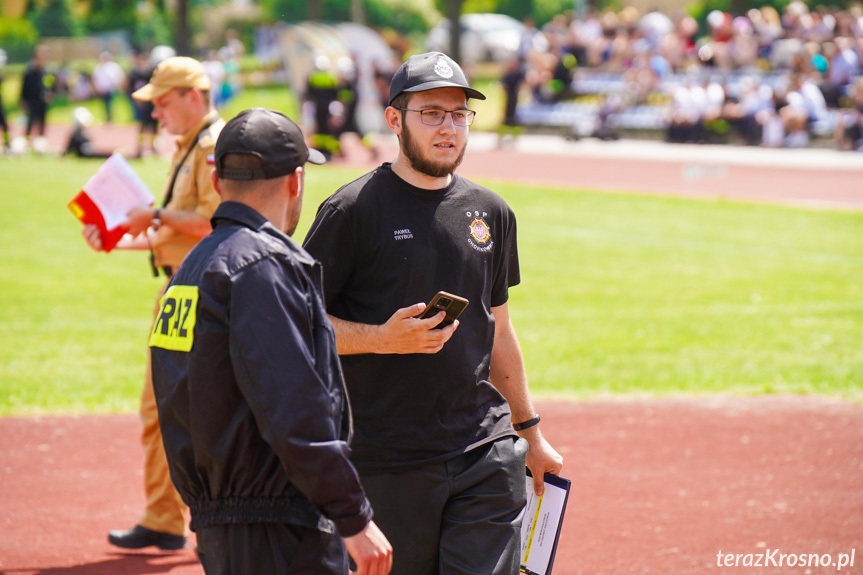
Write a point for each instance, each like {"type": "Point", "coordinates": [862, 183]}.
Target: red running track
{"type": "Point", "coordinates": [659, 486]}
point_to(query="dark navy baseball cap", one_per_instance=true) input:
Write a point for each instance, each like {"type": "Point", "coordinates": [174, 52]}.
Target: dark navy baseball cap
{"type": "Point", "coordinates": [430, 71]}
{"type": "Point", "coordinates": [271, 136]}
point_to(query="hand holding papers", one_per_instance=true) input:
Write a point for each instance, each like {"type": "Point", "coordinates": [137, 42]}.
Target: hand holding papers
{"type": "Point", "coordinates": [540, 528]}
{"type": "Point", "coordinates": [108, 196]}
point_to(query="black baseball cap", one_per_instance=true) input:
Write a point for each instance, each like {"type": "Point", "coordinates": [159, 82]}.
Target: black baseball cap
{"type": "Point", "coordinates": [430, 71]}
{"type": "Point", "coordinates": [271, 136]}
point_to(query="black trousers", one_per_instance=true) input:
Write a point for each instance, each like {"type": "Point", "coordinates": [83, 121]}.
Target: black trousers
{"type": "Point", "coordinates": [459, 517]}
{"type": "Point", "coordinates": [36, 112]}
{"type": "Point", "coordinates": [270, 549]}
{"type": "Point", "coordinates": [4, 127]}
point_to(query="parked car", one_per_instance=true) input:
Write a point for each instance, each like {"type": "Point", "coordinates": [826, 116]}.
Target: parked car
{"type": "Point", "coordinates": [484, 37]}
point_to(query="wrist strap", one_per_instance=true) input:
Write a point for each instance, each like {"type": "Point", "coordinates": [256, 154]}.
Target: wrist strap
{"type": "Point", "coordinates": [526, 424]}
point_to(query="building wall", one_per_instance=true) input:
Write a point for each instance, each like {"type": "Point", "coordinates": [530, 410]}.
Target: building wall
{"type": "Point", "coordinates": [13, 8]}
{"type": "Point", "coordinates": [666, 6]}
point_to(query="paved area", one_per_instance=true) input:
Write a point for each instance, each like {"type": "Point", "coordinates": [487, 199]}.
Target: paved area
{"type": "Point", "coordinates": [652, 150]}
{"type": "Point", "coordinates": [811, 177]}
{"type": "Point", "coordinates": [805, 177]}
{"type": "Point", "coordinates": [659, 487]}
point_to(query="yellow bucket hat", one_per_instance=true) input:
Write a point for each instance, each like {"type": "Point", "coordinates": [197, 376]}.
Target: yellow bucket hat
{"type": "Point", "coordinates": [176, 72]}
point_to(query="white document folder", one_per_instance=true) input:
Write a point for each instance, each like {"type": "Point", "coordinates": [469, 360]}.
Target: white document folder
{"type": "Point", "coordinates": [543, 520]}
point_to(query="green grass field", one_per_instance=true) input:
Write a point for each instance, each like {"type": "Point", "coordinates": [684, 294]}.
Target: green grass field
{"type": "Point", "coordinates": [620, 294]}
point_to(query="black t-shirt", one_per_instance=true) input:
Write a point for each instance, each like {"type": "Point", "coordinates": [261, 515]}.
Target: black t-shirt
{"type": "Point", "coordinates": [138, 78]}
{"type": "Point", "coordinates": [385, 245]}
{"type": "Point", "coordinates": [33, 89]}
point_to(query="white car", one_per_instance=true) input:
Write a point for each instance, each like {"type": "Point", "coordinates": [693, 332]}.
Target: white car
{"type": "Point", "coordinates": [484, 37]}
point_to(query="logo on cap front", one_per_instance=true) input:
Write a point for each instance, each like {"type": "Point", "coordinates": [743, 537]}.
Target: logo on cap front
{"type": "Point", "coordinates": [443, 69]}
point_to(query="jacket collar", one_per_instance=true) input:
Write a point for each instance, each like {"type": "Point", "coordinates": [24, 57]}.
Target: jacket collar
{"type": "Point", "coordinates": [238, 213]}
{"type": "Point", "coordinates": [188, 138]}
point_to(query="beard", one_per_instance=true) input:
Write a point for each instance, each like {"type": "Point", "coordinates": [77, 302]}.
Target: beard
{"type": "Point", "coordinates": [424, 166]}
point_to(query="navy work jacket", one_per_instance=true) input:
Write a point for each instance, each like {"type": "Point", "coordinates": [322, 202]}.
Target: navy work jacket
{"type": "Point", "coordinates": [252, 402]}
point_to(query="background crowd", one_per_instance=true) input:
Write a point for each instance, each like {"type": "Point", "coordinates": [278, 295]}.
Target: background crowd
{"type": "Point", "coordinates": [43, 83]}
{"type": "Point", "coordinates": [771, 77]}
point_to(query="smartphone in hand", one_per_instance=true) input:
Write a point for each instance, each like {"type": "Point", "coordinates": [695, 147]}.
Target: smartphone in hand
{"type": "Point", "coordinates": [453, 305]}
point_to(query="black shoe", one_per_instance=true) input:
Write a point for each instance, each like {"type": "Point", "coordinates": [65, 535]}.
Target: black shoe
{"type": "Point", "coordinates": [138, 537]}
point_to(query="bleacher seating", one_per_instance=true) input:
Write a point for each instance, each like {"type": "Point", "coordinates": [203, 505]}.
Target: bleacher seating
{"type": "Point", "coordinates": [581, 116]}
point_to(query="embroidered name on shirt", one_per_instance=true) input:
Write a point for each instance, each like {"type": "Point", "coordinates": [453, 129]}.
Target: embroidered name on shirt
{"type": "Point", "coordinates": [404, 234]}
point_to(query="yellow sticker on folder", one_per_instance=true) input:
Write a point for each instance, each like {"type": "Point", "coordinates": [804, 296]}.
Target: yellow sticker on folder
{"type": "Point", "coordinates": [77, 211]}
{"type": "Point", "coordinates": [175, 325]}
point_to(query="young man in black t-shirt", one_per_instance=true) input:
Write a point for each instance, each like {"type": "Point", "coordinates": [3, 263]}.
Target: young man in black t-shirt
{"type": "Point", "coordinates": [435, 444]}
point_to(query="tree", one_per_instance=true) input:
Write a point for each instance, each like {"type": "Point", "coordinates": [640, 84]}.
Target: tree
{"type": "Point", "coordinates": [182, 30]}
{"type": "Point", "coordinates": [358, 11]}
{"type": "Point", "coordinates": [315, 10]}
{"type": "Point", "coordinates": [518, 9]}
{"type": "Point", "coordinates": [153, 28]}
{"type": "Point", "coordinates": [108, 15]}
{"type": "Point", "coordinates": [453, 14]}
{"type": "Point", "coordinates": [55, 19]}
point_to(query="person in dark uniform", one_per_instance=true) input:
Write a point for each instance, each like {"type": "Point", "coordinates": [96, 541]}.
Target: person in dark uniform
{"type": "Point", "coordinates": [35, 92]}
{"type": "Point", "coordinates": [347, 94]}
{"type": "Point", "coordinates": [511, 82]}
{"type": "Point", "coordinates": [139, 76]}
{"type": "Point", "coordinates": [179, 91]}
{"type": "Point", "coordinates": [437, 451]}
{"type": "Point", "coordinates": [4, 125]}
{"type": "Point", "coordinates": [260, 454]}
{"type": "Point", "coordinates": [322, 89]}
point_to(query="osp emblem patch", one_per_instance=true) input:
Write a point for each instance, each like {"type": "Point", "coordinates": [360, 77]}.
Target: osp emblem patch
{"type": "Point", "coordinates": [480, 231]}
{"type": "Point", "coordinates": [443, 69]}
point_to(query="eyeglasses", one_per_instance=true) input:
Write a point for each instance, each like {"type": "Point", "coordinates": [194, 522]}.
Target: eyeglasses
{"type": "Point", "coordinates": [436, 117]}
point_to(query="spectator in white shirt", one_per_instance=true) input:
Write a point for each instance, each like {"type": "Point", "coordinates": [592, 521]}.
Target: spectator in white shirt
{"type": "Point", "coordinates": [108, 80]}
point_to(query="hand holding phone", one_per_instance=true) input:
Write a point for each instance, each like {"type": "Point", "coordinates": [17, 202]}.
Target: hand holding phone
{"type": "Point", "coordinates": [453, 305]}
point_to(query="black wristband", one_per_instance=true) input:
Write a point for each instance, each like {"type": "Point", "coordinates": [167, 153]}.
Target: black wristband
{"type": "Point", "coordinates": [526, 424]}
